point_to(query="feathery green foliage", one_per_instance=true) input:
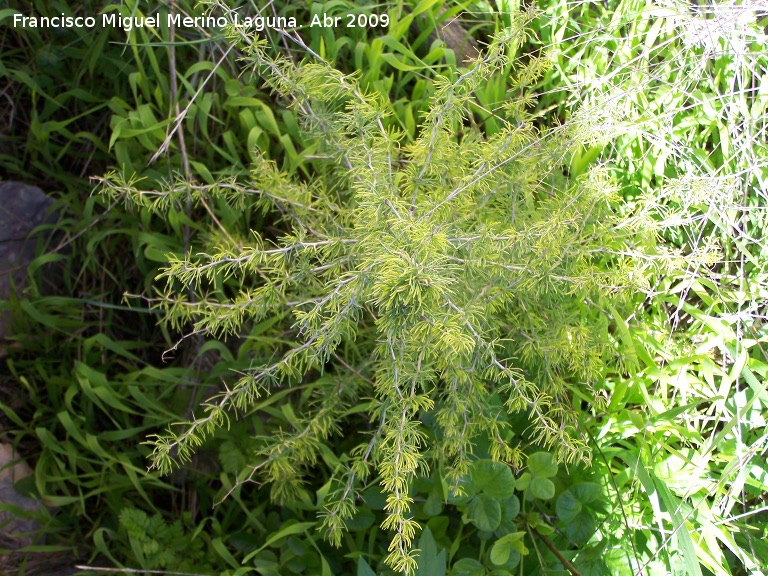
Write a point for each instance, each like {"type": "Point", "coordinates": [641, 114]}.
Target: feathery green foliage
{"type": "Point", "coordinates": [686, 400]}
{"type": "Point", "coordinates": [464, 267]}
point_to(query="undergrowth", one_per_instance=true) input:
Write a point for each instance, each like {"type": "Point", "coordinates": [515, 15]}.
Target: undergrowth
{"type": "Point", "coordinates": [346, 173]}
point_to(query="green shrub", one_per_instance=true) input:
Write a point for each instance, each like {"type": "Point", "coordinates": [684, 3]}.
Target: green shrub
{"type": "Point", "coordinates": [457, 278]}
{"type": "Point", "coordinates": [402, 204]}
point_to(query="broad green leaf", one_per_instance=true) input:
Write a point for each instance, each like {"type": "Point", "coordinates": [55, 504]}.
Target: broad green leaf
{"type": "Point", "coordinates": [362, 520]}
{"type": "Point", "coordinates": [503, 547]}
{"type": "Point", "coordinates": [226, 555]}
{"type": "Point", "coordinates": [393, 61]}
{"type": "Point", "coordinates": [465, 484]}
{"type": "Point", "coordinates": [7, 13]}
{"type": "Point", "coordinates": [582, 528]}
{"type": "Point", "coordinates": [101, 543]}
{"type": "Point", "coordinates": [431, 562]}
{"type": "Point", "coordinates": [290, 530]}
{"type": "Point", "coordinates": [684, 539]}
{"type": "Point", "coordinates": [439, 526]}
{"type": "Point", "coordinates": [523, 482]}
{"type": "Point", "coordinates": [591, 564]}
{"type": "Point", "coordinates": [500, 552]}
{"type": "Point", "coordinates": [423, 6]}
{"type": "Point", "coordinates": [576, 507]}
{"type": "Point", "coordinates": [484, 512]}
{"type": "Point", "coordinates": [510, 508]}
{"type": "Point", "coordinates": [493, 478]}
{"type": "Point", "coordinates": [540, 464]}
{"type": "Point", "coordinates": [374, 498]}
{"type": "Point", "coordinates": [571, 502]}
{"type": "Point", "coordinates": [203, 171]}
{"type": "Point", "coordinates": [434, 504]}
{"type": "Point", "coordinates": [587, 492]}
{"type": "Point", "coordinates": [568, 506]}
{"type": "Point", "coordinates": [467, 567]}
{"type": "Point", "coordinates": [542, 488]}
{"type": "Point", "coordinates": [363, 569]}
{"type": "Point", "coordinates": [326, 568]}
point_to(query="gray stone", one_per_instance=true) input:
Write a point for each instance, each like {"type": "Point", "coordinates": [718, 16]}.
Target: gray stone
{"type": "Point", "coordinates": [22, 208]}
{"type": "Point", "coordinates": [15, 530]}
{"type": "Point", "coordinates": [18, 529]}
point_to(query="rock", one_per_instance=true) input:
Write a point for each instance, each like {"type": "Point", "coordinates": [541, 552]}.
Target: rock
{"type": "Point", "coordinates": [22, 208]}
{"type": "Point", "coordinates": [19, 531]}
{"type": "Point", "coordinates": [15, 531]}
